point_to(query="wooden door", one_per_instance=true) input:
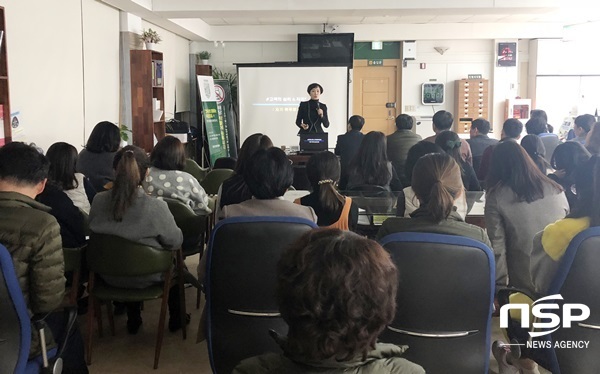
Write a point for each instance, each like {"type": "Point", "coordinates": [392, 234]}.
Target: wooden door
{"type": "Point", "coordinates": [374, 87]}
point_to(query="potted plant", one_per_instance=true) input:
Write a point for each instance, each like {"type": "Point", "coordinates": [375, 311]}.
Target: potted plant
{"type": "Point", "coordinates": [125, 131]}
{"type": "Point", "coordinates": [150, 38]}
{"type": "Point", "coordinates": [203, 56]}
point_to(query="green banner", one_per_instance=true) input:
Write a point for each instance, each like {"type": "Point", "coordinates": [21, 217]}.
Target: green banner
{"type": "Point", "coordinates": [223, 91]}
{"type": "Point", "coordinates": [215, 132]}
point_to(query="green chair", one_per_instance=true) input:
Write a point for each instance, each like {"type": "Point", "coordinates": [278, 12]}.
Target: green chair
{"type": "Point", "coordinates": [214, 179]}
{"type": "Point", "coordinates": [194, 228]}
{"type": "Point", "coordinates": [191, 167]}
{"type": "Point", "coordinates": [116, 256]}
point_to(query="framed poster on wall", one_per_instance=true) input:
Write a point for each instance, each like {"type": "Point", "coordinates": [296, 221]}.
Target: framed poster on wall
{"type": "Point", "coordinates": [507, 54]}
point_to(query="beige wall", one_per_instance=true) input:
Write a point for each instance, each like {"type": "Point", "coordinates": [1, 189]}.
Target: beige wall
{"type": "Point", "coordinates": [60, 87]}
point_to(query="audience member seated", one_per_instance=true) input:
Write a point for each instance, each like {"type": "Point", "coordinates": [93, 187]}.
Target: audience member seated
{"type": "Point", "coordinates": [225, 163]}
{"type": "Point", "coordinates": [347, 145]}
{"type": "Point", "coordinates": [370, 166]}
{"type": "Point", "coordinates": [437, 183]}
{"type": "Point", "coordinates": [63, 160]}
{"type": "Point", "coordinates": [234, 190]}
{"type": "Point", "coordinates": [127, 211]}
{"type": "Point", "coordinates": [520, 202]}
{"type": "Point", "coordinates": [332, 209]}
{"type": "Point", "coordinates": [96, 160]}
{"type": "Point", "coordinates": [399, 143]}
{"type": "Point", "coordinates": [442, 121]}
{"type": "Point", "coordinates": [550, 245]}
{"type": "Point", "coordinates": [334, 334]}
{"type": "Point", "coordinates": [166, 177]}
{"type": "Point", "coordinates": [592, 141]}
{"type": "Point", "coordinates": [511, 131]}
{"type": "Point", "coordinates": [566, 159]}
{"type": "Point", "coordinates": [32, 237]}
{"type": "Point", "coordinates": [268, 176]}
{"type": "Point", "coordinates": [581, 128]}
{"type": "Point", "coordinates": [407, 201]}
{"type": "Point", "coordinates": [539, 126]}
{"type": "Point", "coordinates": [534, 147]}
{"type": "Point", "coordinates": [479, 140]}
{"type": "Point", "coordinates": [451, 143]}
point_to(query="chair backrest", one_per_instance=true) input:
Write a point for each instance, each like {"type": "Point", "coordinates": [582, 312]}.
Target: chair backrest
{"type": "Point", "coordinates": [15, 326]}
{"type": "Point", "coordinates": [225, 163]}
{"type": "Point", "coordinates": [192, 226]}
{"type": "Point", "coordinates": [214, 179]}
{"type": "Point", "coordinates": [577, 280]}
{"type": "Point", "coordinates": [240, 286]}
{"type": "Point", "coordinates": [444, 301]}
{"type": "Point", "coordinates": [113, 255]}
{"type": "Point", "coordinates": [192, 167]}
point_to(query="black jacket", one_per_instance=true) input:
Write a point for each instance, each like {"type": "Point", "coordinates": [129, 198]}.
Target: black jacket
{"type": "Point", "coordinates": [307, 113]}
{"type": "Point", "coordinates": [69, 217]}
{"type": "Point", "coordinates": [346, 147]}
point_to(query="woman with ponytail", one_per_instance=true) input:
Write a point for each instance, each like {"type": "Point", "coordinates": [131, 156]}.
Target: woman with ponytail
{"type": "Point", "coordinates": [451, 144]}
{"type": "Point", "coordinates": [126, 211]}
{"type": "Point", "coordinates": [332, 209]}
{"type": "Point", "coordinates": [437, 184]}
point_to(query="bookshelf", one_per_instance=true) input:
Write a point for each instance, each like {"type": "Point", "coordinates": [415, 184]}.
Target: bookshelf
{"type": "Point", "coordinates": [5, 131]}
{"type": "Point", "coordinates": [147, 98]}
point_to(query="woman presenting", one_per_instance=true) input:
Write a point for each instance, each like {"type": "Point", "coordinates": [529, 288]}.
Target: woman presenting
{"type": "Point", "coordinates": [312, 113]}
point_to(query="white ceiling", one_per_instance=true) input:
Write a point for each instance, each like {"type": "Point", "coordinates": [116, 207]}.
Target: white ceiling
{"type": "Point", "coordinates": [235, 19]}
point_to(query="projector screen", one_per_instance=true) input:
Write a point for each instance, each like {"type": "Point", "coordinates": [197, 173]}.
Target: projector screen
{"type": "Point", "coordinates": [269, 97]}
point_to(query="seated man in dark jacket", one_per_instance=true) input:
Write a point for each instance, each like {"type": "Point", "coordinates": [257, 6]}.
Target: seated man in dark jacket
{"type": "Point", "coordinates": [479, 140]}
{"type": "Point", "coordinates": [399, 143]}
{"type": "Point", "coordinates": [32, 237]}
{"type": "Point", "coordinates": [347, 146]}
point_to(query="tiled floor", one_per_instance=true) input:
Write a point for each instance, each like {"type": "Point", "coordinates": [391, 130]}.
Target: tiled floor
{"type": "Point", "coordinates": [133, 354]}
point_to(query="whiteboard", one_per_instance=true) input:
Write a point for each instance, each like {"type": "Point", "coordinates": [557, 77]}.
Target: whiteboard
{"type": "Point", "coordinates": [269, 97]}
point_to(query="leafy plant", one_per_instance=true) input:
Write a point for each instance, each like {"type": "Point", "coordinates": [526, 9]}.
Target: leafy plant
{"type": "Point", "coordinates": [204, 55]}
{"type": "Point", "coordinates": [150, 36]}
{"type": "Point", "coordinates": [124, 130]}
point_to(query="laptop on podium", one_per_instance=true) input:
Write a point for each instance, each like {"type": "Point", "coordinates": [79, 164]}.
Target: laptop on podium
{"type": "Point", "coordinates": [313, 142]}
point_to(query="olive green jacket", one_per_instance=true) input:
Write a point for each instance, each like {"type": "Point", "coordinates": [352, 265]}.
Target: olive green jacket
{"type": "Point", "coordinates": [384, 359]}
{"type": "Point", "coordinates": [32, 237]}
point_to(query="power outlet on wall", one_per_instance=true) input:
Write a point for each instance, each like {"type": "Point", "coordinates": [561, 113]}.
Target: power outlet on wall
{"type": "Point", "coordinates": [410, 108]}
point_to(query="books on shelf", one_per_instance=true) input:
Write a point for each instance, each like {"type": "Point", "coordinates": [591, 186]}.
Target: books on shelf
{"type": "Point", "coordinates": [157, 73]}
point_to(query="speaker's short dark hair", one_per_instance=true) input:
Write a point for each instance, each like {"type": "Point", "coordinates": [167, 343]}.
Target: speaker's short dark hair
{"type": "Point", "coordinates": [270, 173]}
{"type": "Point", "coordinates": [442, 120]}
{"type": "Point", "coordinates": [404, 122]}
{"type": "Point", "coordinates": [313, 85]}
{"type": "Point", "coordinates": [356, 122]}
{"type": "Point", "coordinates": [512, 128]}
{"type": "Point", "coordinates": [482, 125]}
{"type": "Point", "coordinates": [22, 164]}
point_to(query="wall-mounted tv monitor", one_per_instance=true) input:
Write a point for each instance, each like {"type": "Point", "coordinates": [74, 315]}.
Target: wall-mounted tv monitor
{"type": "Point", "coordinates": [432, 93]}
{"type": "Point", "coordinates": [335, 49]}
